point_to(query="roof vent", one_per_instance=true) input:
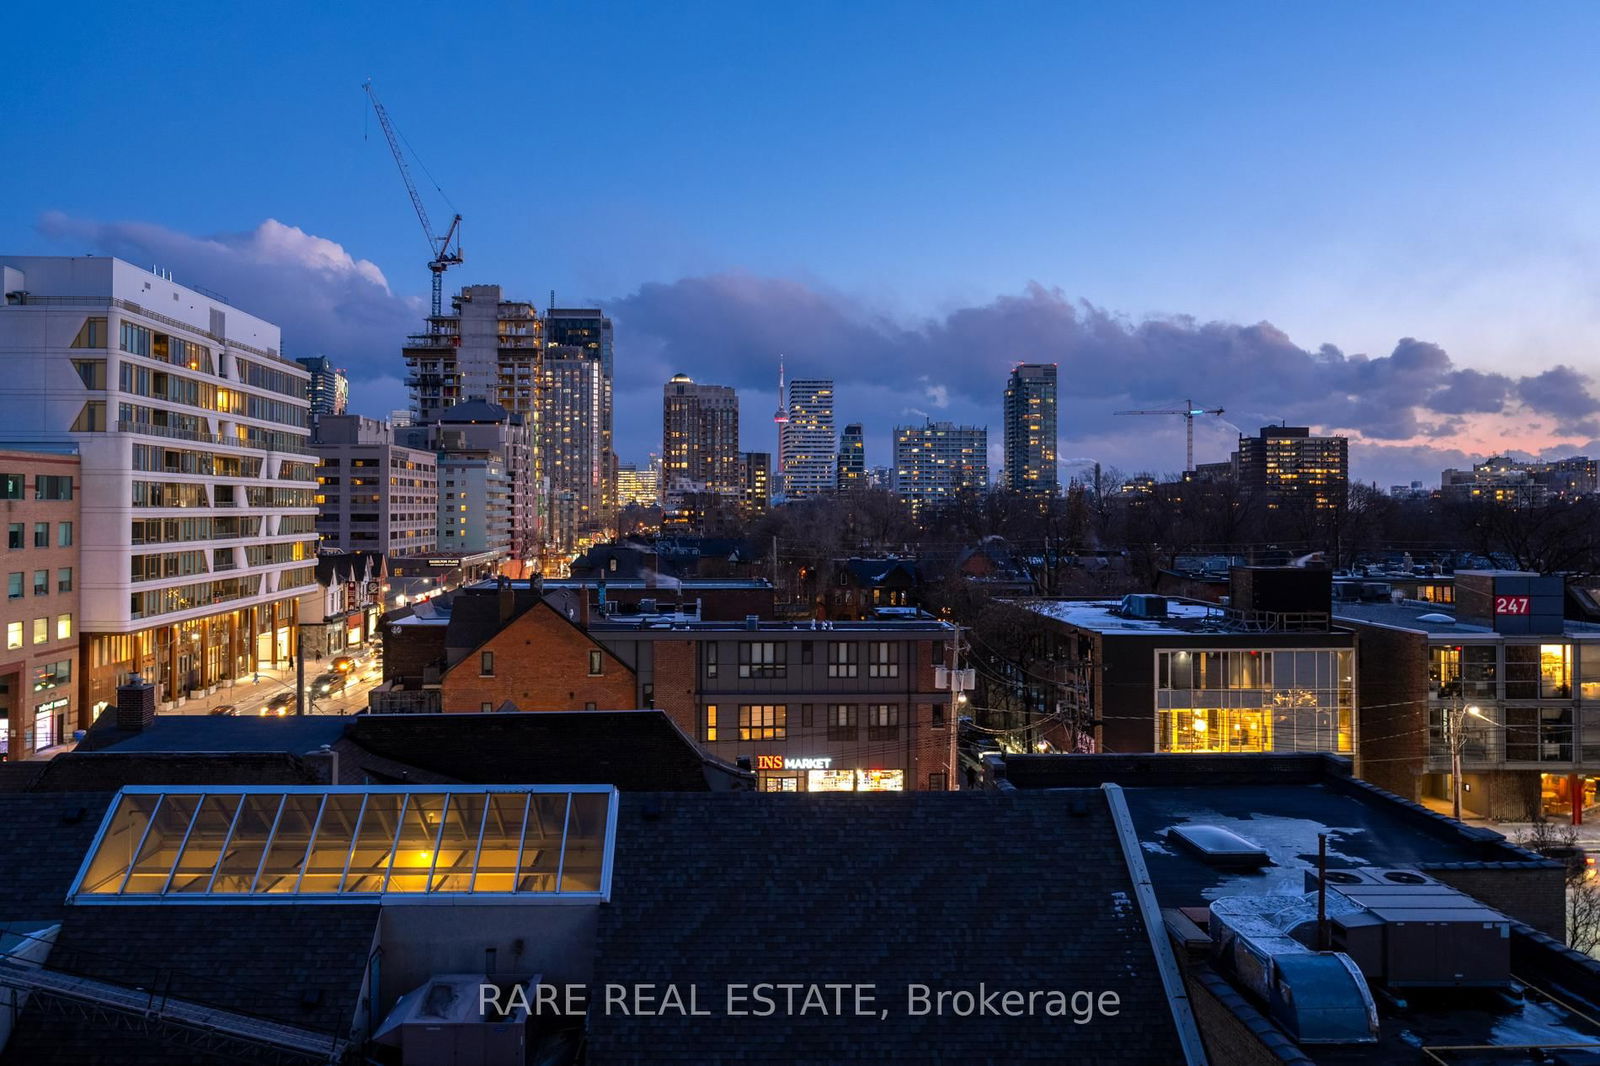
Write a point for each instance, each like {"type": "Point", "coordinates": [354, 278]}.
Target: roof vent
{"type": "Point", "coordinates": [752, 622]}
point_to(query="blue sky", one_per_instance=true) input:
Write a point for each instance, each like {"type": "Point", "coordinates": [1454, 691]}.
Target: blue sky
{"type": "Point", "coordinates": [902, 174]}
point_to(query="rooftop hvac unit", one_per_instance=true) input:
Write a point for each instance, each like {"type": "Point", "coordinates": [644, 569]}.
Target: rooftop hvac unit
{"type": "Point", "coordinates": [442, 1021]}
{"type": "Point", "coordinates": [1318, 997]}
{"type": "Point", "coordinates": [1415, 932]}
{"type": "Point", "coordinates": [1137, 605]}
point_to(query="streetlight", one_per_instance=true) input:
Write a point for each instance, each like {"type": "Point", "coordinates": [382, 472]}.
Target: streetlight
{"type": "Point", "coordinates": [1455, 718]}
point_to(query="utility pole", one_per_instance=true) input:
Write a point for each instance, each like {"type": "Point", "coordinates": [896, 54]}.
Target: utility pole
{"type": "Point", "coordinates": [299, 670]}
{"type": "Point", "coordinates": [1455, 720]}
{"type": "Point", "coordinates": [957, 681]}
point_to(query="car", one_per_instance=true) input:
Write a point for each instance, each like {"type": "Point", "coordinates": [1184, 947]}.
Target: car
{"type": "Point", "coordinates": [279, 705]}
{"type": "Point", "coordinates": [344, 664]}
{"type": "Point", "coordinates": [327, 684]}
{"type": "Point", "coordinates": [225, 708]}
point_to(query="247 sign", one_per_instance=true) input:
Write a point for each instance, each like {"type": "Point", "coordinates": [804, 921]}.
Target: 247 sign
{"type": "Point", "coordinates": [1511, 605]}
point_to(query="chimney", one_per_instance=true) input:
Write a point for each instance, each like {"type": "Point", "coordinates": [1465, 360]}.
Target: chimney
{"type": "Point", "coordinates": [136, 705]}
{"type": "Point", "coordinates": [508, 599]}
{"type": "Point", "coordinates": [583, 606]}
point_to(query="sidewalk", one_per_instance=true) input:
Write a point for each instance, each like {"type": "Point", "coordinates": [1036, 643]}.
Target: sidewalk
{"type": "Point", "coordinates": [1588, 834]}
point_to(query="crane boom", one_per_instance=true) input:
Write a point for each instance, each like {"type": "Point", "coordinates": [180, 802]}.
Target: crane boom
{"type": "Point", "coordinates": [1187, 411]}
{"type": "Point", "coordinates": [442, 256]}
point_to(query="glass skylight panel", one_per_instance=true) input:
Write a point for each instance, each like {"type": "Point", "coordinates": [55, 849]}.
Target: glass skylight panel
{"type": "Point", "coordinates": [331, 844]}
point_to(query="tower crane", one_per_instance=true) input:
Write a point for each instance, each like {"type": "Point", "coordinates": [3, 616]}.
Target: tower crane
{"type": "Point", "coordinates": [444, 257]}
{"type": "Point", "coordinates": [1188, 411]}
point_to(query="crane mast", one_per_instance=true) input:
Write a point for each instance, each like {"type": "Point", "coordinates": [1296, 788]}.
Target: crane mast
{"type": "Point", "coordinates": [443, 256]}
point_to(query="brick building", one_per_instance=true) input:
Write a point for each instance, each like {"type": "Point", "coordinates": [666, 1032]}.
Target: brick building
{"type": "Point", "coordinates": [40, 704]}
{"type": "Point", "coordinates": [811, 706]}
{"type": "Point", "coordinates": [1519, 681]}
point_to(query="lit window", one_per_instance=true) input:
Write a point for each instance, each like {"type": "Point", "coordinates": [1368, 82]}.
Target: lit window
{"type": "Point", "coordinates": [63, 627]}
{"type": "Point", "coordinates": [41, 630]}
{"type": "Point", "coordinates": [13, 635]}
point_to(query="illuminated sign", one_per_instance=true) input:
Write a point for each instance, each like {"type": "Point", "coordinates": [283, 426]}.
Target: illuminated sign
{"type": "Point", "coordinates": [784, 762]}
{"type": "Point", "coordinates": [1511, 605]}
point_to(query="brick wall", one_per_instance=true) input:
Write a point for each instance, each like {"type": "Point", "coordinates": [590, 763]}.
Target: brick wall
{"type": "Point", "coordinates": [677, 683]}
{"type": "Point", "coordinates": [1233, 1030]}
{"type": "Point", "coordinates": [541, 663]}
{"type": "Point", "coordinates": [1533, 892]}
{"type": "Point", "coordinates": [1392, 709]}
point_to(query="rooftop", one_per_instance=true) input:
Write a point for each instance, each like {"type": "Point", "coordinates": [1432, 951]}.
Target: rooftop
{"type": "Point", "coordinates": [1420, 617]}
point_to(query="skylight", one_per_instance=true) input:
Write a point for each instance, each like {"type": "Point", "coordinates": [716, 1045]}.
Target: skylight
{"type": "Point", "coordinates": [366, 844]}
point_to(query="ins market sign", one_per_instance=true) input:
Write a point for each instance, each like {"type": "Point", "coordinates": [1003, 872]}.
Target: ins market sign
{"type": "Point", "coordinates": [784, 762]}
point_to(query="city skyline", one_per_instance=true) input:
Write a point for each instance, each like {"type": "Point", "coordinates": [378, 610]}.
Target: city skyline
{"type": "Point", "coordinates": [1275, 246]}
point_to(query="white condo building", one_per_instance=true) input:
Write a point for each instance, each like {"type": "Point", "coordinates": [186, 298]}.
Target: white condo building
{"type": "Point", "coordinates": [198, 483]}
{"type": "Point", "coordinates": [809, 453]}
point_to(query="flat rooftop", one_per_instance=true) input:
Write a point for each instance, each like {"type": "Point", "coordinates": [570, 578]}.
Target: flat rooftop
{"type": "Point", "coordinates": [1105, 616]}
{"type": "Point", "coordinates": [1415, 616]}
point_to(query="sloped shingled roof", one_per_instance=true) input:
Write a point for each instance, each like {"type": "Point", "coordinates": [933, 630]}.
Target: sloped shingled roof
{"type": "Point", "coordinates": [1025, 891]}
{"type": "Point", "coordinates": [633, 750]}
{"type": "Point", "coordinates": [302, 965]}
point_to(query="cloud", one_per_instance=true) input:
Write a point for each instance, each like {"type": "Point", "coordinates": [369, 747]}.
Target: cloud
{"type": "Point", "coordinates": [937, 395]}
{"type": "Point", "coordinates": [729, 328]}
{"type": "Point", "coordinates": [326, 300]}
{"type": "Point", "coordinates": [1563, 392]}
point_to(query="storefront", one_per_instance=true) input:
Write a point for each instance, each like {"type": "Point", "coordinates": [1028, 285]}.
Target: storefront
{"type": "Point", "coordinates": [784, 773]}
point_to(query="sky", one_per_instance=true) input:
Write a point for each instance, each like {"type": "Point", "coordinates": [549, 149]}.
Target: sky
{"type": "Point", "coordinates": [1373, 219]}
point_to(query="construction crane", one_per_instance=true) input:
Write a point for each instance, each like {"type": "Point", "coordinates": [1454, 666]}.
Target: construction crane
{"type": "Point", "coordinates": [1188, 411]}
{"type": "Point", "coordinates": [444, 257]}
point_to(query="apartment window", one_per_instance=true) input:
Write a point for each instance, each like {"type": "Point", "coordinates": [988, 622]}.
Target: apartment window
{"type": "Point", "coordinates": [711, 660]}
{"type": "Point", "coordinates": [486, 706]}
{"type": "Point", "coordinates": [63, 534]}
{"type": "Point", "coordinates": [939, 716]}
{"type": "Point", "coordinates": [883, 659]}
{"type": "Point", "coordinates": [92, 372]}
{"type": "Point", "coordinates": [708, 725]}
{"type": "Point", "coordinates": [843, 721]}
{"type": "Point", "coordinates": [939, 782]}
{"type": "Point", "coordinates": [50, 487]}
{"type": "Point", "coordinates": [14, 586]}
{"type": "Point", "coordinates": [10, 486]}
{"type": "Point", "coordinates": [92, 334]}
{"type": "Point", "coordinates": [64, 579]}
{"type": "Point", "coordinates": [590, 706]}
{"type": "Point", "coordinates": [14, 541]}
{"type": "Point", "coordinates": [486, 664]}
{"type": "Point", "coordinates": [649, 694]}
{"type": "Point", "coordinates": [63, 627]}
{"type": "Point", "coordinates": [41, 534]}
{"type": "Point", "coordinates": [843, 658]}
{"type": "Point", "coordinates": [41, 630]}
{"type": "Point", "coordinates": [883, 721]}
{"type": "Point", "coordinates": [41, 582]}
{"type": "Point", "coordinates": [596, 663]}
{"type": "Point", "coordinates": [806, 652]}
{"type": "Point", "coordinates": [763, 721]}
{"type": "Point", "coordinates": [763, 658]}
{"type": "Point", "coordinates": [13, 636]}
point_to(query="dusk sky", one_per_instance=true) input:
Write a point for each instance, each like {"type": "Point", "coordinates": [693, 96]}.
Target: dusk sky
{"type": "Point", "coordinates": [1380, 220]}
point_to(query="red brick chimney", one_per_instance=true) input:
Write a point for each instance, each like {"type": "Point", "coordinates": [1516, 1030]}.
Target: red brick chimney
{"type": "Point", "coordinates": [136, 705]}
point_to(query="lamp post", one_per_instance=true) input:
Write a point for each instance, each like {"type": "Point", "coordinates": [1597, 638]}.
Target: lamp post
{"type": "Point", "coordinates": [1455, 718]}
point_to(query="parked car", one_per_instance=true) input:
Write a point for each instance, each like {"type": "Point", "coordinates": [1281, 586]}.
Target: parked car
{"type": "Point", "coordinates": [279, 705]}
{"type": "Point", "coordinates": [225, 708]}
